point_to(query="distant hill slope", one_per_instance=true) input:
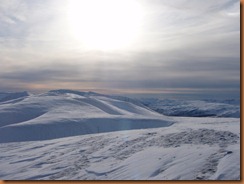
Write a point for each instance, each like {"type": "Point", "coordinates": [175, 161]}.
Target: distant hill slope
{"type": "Point", "coordinates": [194, 108]}
{"type": "Point", "coordinates": [13, 96]}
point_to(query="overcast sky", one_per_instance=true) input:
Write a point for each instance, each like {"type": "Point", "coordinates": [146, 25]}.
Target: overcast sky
{"type": "Point", "coordinates": [180, 45]}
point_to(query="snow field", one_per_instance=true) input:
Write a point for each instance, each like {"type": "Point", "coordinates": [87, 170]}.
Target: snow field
{"type": "Point", "coordinates": [68, 135]}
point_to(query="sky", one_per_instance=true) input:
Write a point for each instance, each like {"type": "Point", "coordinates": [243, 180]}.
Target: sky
{"type": "Point", "coordinates": [120, 46]}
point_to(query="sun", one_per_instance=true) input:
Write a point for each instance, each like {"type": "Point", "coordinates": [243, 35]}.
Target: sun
{"type": "Point", "coordinates": [105, 24]}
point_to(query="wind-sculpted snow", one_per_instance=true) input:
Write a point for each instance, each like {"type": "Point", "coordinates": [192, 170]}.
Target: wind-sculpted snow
{"type": "Point", "coordinates": [90, 94]}
{"type": "Point", "coordinates": [72, 135]}
{"type": "Point", "coordinates": [63, 113]}
{"type": "Point", "coordinates": [194, 108]}
{"type": "Point", "coordinates": [71, 127]}
{"type": "Point", "coordinates": [176, 152]}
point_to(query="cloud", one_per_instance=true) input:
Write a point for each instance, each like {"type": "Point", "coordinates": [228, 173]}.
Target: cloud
{"type": "Point", "coordinates": [183, 44]}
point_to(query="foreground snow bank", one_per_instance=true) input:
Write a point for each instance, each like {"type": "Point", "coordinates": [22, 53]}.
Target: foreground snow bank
{"type": "Point", "coordinates": [190, 149]}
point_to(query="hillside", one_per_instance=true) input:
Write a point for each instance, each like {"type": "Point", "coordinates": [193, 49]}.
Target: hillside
{"type": "Point", "coordinates": [71, 135]}
{"type": "Point", "coordinates": [64, 113]}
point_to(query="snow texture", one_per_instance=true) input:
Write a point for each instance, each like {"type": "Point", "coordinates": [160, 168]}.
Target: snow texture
{"type": "Point", "coordinates": [71, 135]}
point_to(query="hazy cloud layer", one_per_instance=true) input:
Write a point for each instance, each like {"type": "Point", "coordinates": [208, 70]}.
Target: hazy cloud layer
{"type": "Point", "coordinates": [183, 44]}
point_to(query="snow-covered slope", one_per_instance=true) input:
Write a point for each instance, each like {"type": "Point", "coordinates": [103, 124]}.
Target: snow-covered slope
{"type": "Point", "coordinates": [13, 97]}
{"type": "Point", "coordinates": [71, 135]}
{"type": "Point", "coordinates": [194, 108]}
{"type": "Point", "coordinates": [64, 113]}
{"type": "Point", "coordinates": [194, 149]}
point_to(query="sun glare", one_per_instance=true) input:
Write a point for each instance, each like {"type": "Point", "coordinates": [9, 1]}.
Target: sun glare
{"type": "Point", "coordinates": [105, 24]}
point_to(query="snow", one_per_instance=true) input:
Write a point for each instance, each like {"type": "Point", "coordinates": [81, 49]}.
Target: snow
{"type": "Point", "coordinates": [227, 166]}
{"type": "Point", "coordinates": [71, 135]}
{"type": "Point", "coordinates": [194, 108]}
{"type": "Point", "coordinates": [49, 116]}
{"type": "Point", "coordinates": [13, 97]}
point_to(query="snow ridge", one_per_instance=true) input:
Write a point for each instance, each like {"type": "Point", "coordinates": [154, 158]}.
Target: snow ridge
{"type": "Point", "coordinates": [64, 113]}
